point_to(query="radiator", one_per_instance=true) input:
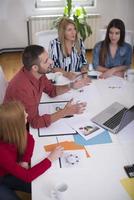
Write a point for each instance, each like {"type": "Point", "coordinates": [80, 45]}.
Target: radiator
{"type": "Point", "coordinates": [40, 23]}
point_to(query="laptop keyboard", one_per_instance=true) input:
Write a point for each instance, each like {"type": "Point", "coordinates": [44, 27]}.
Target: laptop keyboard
{"type": "Point", "coordinates": [115, 120]}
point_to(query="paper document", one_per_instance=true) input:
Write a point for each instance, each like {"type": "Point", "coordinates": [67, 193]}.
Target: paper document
{"type": "Point", "coordinates": [74, 154]}
{"type": "Point", "coordinates": [102, 138]}
{"type": "Point", "coordinates": [115, 82]}
{"type": "Point", "coordinates": [85, 127]}
{"type": "Point", "coordinates": [73, 158]}
{"type": "Point", "coordinates": [59, 127]}
{"type": "Point", "coordinates": [51, 107]}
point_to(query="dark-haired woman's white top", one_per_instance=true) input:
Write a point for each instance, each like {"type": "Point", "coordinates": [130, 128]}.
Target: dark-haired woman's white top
{"type": "Point", "coordinates": [72, 62]}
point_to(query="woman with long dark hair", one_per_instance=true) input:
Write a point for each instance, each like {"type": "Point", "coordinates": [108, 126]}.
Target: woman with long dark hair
{"type": "Point", "coordinates": [113, 55]}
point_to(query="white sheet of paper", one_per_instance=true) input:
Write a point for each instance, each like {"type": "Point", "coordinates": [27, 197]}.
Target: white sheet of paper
{"type": "Point", "coordinates": [115, 82]}
{"type": "Point", "coordinates": [59, 127]}
{"type": "Point", "coordinates": [71, 159]}
{"type": "Point", "coordinates": [51, 107]}
{"type": "Point", "coordinates": [74, 158]}
{"type": "Point", "coordinates": [114, 89]}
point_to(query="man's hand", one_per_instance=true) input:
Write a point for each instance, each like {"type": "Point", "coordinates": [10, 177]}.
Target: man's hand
{"type": "Point", "coordinates": [74, 108]}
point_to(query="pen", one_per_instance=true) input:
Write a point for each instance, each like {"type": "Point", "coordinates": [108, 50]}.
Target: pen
{"type": "Point", "coordinates": [59, 158]}
{"type": "Point", "coordinates": [113, 87]}
{"type": "Point", "coordinates": [57, 140]}
{"type": "Point", "coordinates": [81, 74]}
{"type": "Point", "coordinates": [68, 116]}
{"type": "Point", "coordinates": [78, 75]}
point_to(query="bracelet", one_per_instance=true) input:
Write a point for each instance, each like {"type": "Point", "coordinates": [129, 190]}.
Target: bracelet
{"type": "Point", "coordinates": [71, 85]}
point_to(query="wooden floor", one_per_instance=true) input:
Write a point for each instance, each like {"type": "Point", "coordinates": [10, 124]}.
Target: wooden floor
{"type": "Point", "coordinates": [24, 196]}
{"type": "Point", "coordinates": [11, 62]}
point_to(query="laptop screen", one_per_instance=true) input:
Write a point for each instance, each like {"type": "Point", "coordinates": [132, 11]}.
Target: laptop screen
{"type": "Point", "coordinates": [127, 118]}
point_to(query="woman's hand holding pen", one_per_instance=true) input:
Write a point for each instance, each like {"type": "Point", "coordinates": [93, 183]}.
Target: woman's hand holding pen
{"type": "Point", "coordinates": [56, 153]}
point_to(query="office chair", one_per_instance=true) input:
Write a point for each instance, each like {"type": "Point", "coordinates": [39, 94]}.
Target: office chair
{"type": "Point", "coordinates": [43, 38]}
{"type": "Point", "coordinates": [3, 85]}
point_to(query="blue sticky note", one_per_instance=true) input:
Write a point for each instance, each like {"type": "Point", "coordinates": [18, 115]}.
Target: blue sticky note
{"type": "Point", "coordinates": [102, 138]}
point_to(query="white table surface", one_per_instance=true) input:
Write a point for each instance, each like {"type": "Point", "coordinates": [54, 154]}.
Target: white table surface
{"type": "Point", "coordinates": [99, 177]}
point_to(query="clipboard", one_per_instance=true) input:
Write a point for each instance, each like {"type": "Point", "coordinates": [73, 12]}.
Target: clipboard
{"type": "Point", "coordinates": [59, 127]}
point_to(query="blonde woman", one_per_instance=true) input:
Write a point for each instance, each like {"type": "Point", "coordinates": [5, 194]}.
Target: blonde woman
{"type": "Point", "coordinates": [16, 148]}
{"type": "Point", "coordinates": [67, 51]}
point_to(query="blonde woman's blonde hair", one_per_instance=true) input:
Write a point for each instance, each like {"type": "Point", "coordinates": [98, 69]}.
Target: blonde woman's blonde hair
{"type": "Point", "coordinates": [12, 125]}
{"type": "Point", "coordinates": [62, 25]}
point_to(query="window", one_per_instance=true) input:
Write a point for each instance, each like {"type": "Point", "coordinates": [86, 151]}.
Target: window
{"type": "Point", "coordinates": [61, 3]}
{"type": "Point", "coordinates": [50, 3]}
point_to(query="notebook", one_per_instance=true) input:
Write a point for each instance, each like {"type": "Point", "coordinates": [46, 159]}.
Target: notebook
{"type": "Point", "coordinates": [115, 117]}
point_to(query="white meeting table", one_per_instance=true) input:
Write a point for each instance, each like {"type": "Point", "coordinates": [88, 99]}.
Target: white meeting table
{"type": "Point", "coordinates": [99, 176]}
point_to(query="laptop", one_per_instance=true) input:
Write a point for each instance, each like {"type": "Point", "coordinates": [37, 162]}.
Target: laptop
{"type": "Point", "coordinates": [115, 117]}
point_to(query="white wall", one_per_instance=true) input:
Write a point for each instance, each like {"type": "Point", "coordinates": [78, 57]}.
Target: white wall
{"type": "Point", "coordinates": [14, 14]}
{"type": "Point", "coordinates": [13, 27]}
{"type": "Point", "coordinates": [117, 9]}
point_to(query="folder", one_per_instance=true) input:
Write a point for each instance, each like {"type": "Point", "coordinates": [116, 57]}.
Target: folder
{"type": "Point", "coordinates": [128, 184]}
{"type": "Point", "coordinates": [67, 145]}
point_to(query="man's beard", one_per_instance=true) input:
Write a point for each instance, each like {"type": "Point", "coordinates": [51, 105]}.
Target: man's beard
{"type": "Point", "coordinates": [40, 71]}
